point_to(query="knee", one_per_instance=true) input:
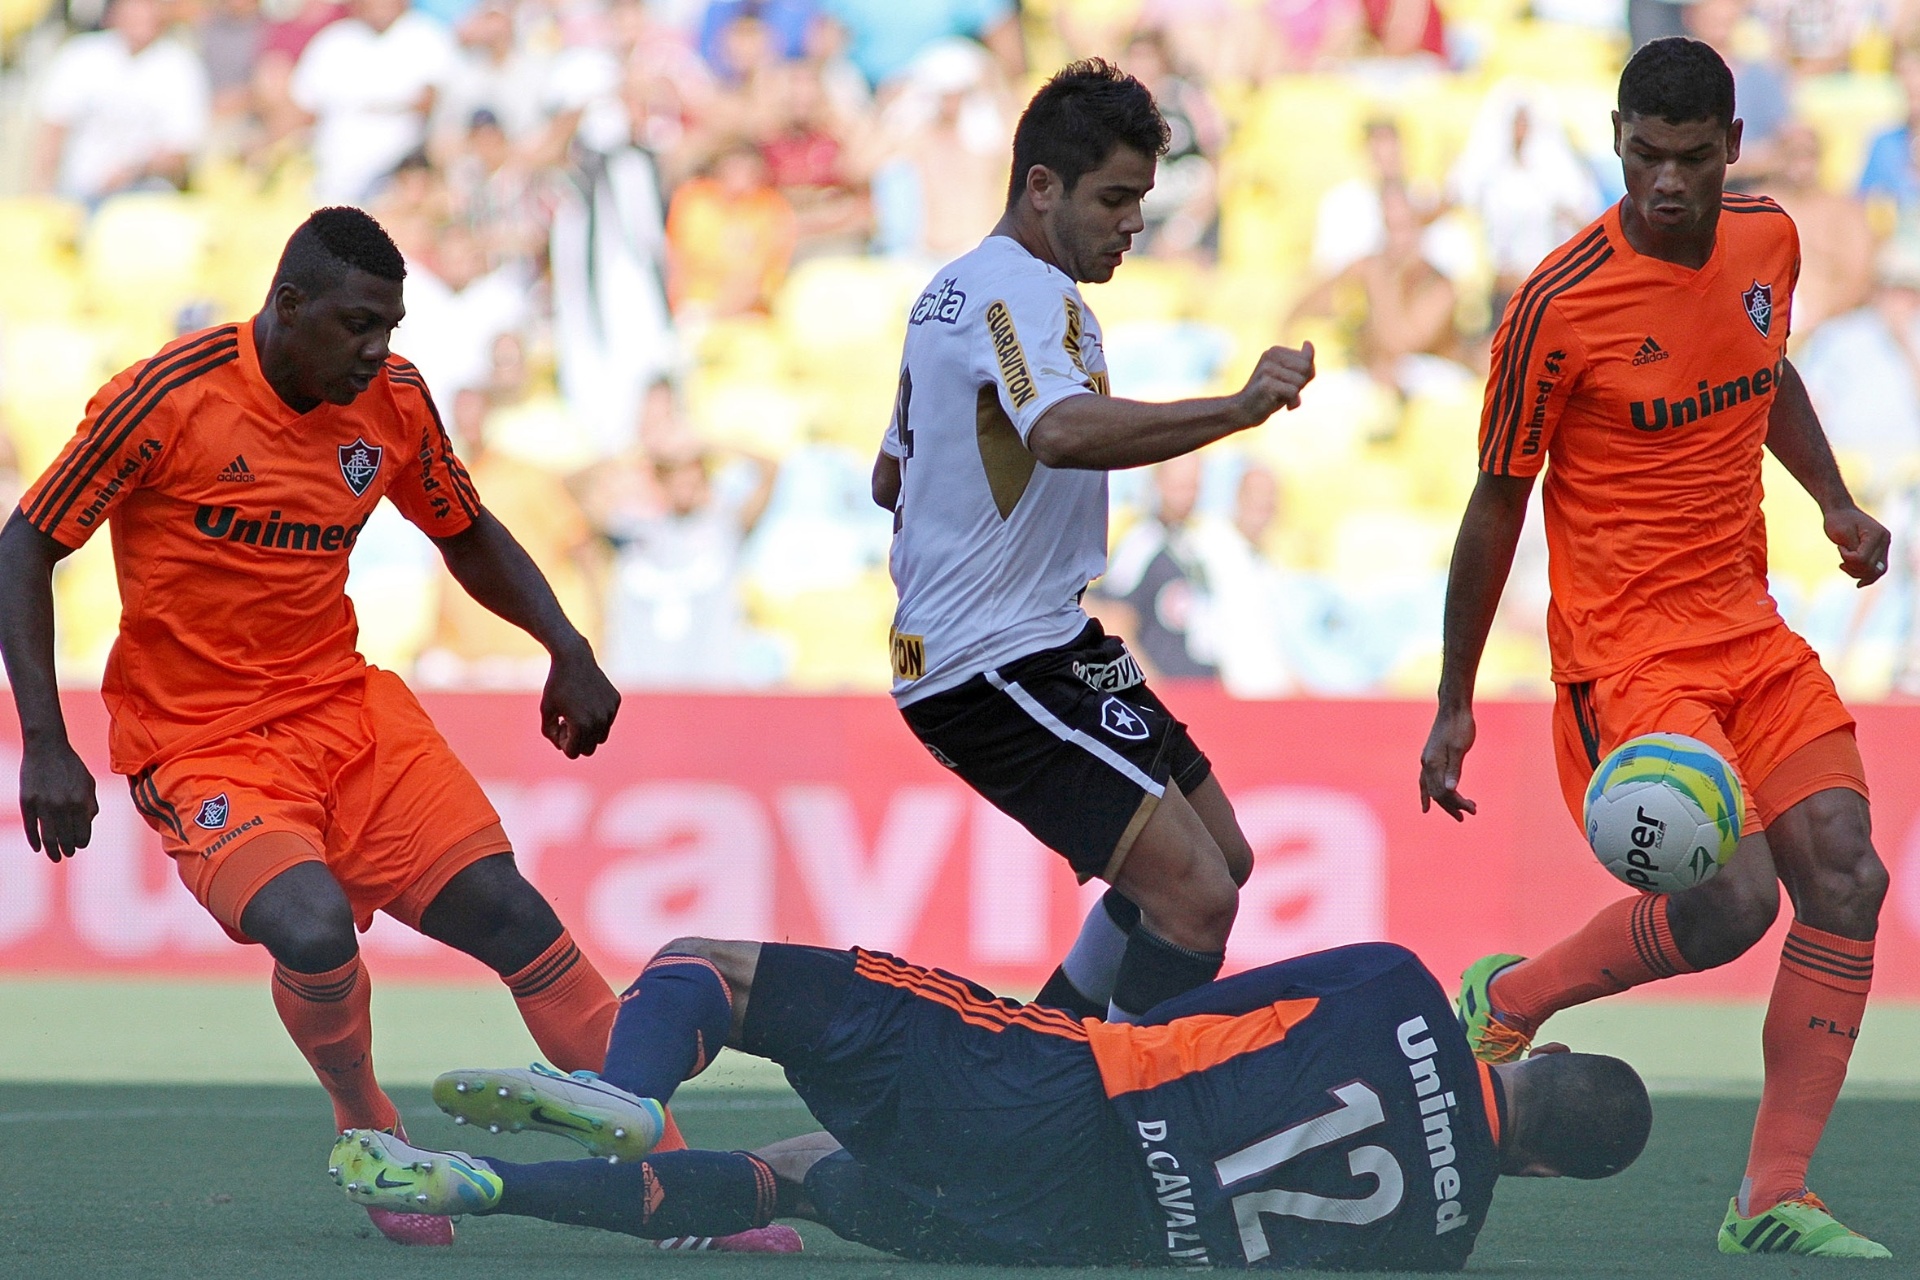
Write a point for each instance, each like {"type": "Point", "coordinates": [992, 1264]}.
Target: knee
{"type": "Point", "coordinates": [1239, 857]}
{"type": "Point", "coordinates": [312, 937]}
{"type": "Point", "coordinates": [1202, 916]}
{"type": "Point", "coordinates": [1718, 922]}
{"type": "Point", "coordinates": [702, 947]}
{"type": "Point", "coordinates": [1849, 882]}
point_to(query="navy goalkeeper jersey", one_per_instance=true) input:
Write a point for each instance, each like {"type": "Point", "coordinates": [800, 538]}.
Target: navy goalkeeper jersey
{"type": "Point", "coordinates": [1322, 1112]}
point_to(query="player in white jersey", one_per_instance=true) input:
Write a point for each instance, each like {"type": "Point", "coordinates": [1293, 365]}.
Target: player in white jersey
{"type": "Point", "coordinates": [995, 467]}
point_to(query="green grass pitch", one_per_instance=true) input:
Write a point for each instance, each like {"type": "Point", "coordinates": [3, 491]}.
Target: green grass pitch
{"type": "Point", "coordinates": [123, 1170]}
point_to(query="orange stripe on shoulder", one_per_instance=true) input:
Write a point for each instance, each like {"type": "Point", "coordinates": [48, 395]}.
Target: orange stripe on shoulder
{"type": "Point", "coordinates": [940, 988]}
{"type": "Point", "coordinates": [1133, 1058]}
{"type": "Point", "coordinates": [1489, 1100]}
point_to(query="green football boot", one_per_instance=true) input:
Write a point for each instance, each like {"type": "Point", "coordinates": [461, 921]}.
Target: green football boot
{"type": "Point", "coordinates": [1801, 1226]}
{"type": "Point", "coordinates": [384, 1172]}
{"type": "Point", "coordinates": [1490, 1039]}
{"type": "Point", "coordinates": [606, 1121]}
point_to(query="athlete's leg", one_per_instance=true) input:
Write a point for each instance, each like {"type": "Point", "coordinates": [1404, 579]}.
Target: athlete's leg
{"type": "Point", "coordinates": [1823, 847]}
{"type": "Point", "coordinates": [1082, 984]}
{"type": "Point", "coordinates": [689, 1001]}
{"type": "Point", "coordinates": [1187, 898]}
{"type": "Point", "coordinates": [1084, 981]}
{"type": "Point", "coordinates": [675, 1193]}
{"type": "Point", "coordinates": [320, 985]}
{"type": "Point", "coordinates": [490, 911]}
{"type": "Point", "coordinates": [1209, 800]}
{"type": "Point", "coordinates": [1645, 938]}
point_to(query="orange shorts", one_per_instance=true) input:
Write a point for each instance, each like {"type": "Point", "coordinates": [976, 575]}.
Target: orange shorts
{"type": "Point", "coordinates": [363, 783]}
{"type": "Point", "coordinates": [1762, 700]}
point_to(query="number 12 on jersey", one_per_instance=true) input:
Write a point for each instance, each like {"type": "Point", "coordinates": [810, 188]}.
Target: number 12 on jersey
{"type": "Point", "coordinates": [1359, 1110]}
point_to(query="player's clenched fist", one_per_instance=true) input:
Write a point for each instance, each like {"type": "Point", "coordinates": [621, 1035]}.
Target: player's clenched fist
{"type": "Point", "coordinates": [1863, 543]}
{"type": "Point", "coordinates": [1276, 382]}
{"type": "Point", "coordinates": [578, 705]}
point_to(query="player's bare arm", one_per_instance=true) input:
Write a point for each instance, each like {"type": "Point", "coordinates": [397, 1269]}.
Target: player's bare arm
{"type": "Point", "coordinates": [57, 802]}
{"type": "Point", "coordinates": [1795, 437]}
{"type": "Point", "coordinates": [579, 702]}
{"type": "Point", "coordinates": [886, 481]}
{"type": "Point", "coordinates": [1101, 433]}
{"type": "Point", "coordinates": [1482, 558]}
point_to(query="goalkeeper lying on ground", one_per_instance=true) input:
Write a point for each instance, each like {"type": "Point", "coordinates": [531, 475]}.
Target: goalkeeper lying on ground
{"type": "Point", "coordinates": [1321, 1112]}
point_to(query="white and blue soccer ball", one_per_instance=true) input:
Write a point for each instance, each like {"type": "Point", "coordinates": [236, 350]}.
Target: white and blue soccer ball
{"type": "Point", "coordinates": [1663, 812]}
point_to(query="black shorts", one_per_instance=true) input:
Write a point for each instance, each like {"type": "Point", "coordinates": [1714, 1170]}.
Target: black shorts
{"type": "Point", "coordinates": [1068, 742]}
{"type": "Point", "coordinates": [975, 1129]}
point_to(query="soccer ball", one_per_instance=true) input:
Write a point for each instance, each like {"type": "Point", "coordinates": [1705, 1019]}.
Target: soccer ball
{"type": "Point", "coordinates": [1664, 812]}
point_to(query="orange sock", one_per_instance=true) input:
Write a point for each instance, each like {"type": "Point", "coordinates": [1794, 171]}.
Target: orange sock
{"type": "Point", "coordinates": [1813, 1019]}
{"type": "Point", "coordinates": [1627, 944]}
{"type": "Point", "coordinates": [567, 1006]}
{"type": "Point", "coordinates": [671, 1138]}
{"type": "Point", "coordinates": [326, 1014]}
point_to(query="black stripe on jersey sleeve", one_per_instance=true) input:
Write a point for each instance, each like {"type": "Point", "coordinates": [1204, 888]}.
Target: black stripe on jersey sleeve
{"type": "Point", "coordinates": [214, 357]}
{"type": "Point", "coordinates": [87, 460]}
{"type": "Point", "coordinates": [1535, 296]}
{"type": "Point", "coordinates": [1733, 202]}
{"type": "Point", "coordinates": [463, 490]}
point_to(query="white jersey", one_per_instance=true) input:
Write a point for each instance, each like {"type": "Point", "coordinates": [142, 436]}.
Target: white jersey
{"type": "Point", "coordinates": [991, 548]}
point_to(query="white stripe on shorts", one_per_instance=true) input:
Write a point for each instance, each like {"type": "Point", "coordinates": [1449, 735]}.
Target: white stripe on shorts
{"type": "Point", "coordinates": [1059, 729]}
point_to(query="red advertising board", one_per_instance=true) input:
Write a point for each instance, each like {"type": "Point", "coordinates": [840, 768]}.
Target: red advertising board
{"type": "Point", "coordinates": [820, 819]}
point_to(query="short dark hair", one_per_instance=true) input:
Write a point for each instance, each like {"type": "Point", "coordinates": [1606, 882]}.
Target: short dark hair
{"type": "Point", "coordinates": [332, 242]}
{"type": "Point", "coordinates": [1586, 1115]}
{"type": "Point", "coordinates": [1679, 80]}
{"type": "Point", "coordinates": [1079, 117]}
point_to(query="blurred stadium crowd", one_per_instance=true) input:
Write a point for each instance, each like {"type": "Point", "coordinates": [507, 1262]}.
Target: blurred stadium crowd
{"type": "Point", "coordinates": [661, 254]}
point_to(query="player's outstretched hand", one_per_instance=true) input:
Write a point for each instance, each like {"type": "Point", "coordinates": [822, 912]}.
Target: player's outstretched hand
{"type": "Point", "coordinates": [578, 705]}
{"type": "Point", "coordinates": [1863, 541]}
{"type": "Point", "coordinates": [1276, 381]}
{"type": "Point", "coordinates": [57, 803]}
{"type": "Point", "coordinates": [1440, 762]}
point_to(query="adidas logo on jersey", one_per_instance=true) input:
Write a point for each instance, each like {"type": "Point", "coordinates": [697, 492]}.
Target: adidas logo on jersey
{"type": "Point", "coordinates": [1649, 352]}
{"type": "Point", "coordinates": [237, 472]}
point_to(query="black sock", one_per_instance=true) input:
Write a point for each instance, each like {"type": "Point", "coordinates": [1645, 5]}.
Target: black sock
{"type": "Point", "coordinates": [1154, 970]}
{"type": "Point", "coordinates": [675, 1193]}
{"type": "Point", "coordinates": [1121, 909]}
{"type": "Point", "coordinates": [1062, 994]}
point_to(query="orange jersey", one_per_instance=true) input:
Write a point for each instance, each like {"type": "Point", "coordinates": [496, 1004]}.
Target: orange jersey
{"type": "Point", "coordinates": [1648, 387]}
{"type": "Point", "coordinates": [232, 520]}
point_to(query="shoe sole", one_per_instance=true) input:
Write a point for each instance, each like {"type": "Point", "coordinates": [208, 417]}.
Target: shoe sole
{"type": "Point", "coordinates": [512, 1100]}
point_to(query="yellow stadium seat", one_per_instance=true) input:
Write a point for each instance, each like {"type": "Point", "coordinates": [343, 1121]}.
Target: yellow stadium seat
{"type": "Point", "coordinates": [37, 227]}
{"type": "Point", "coordinates": [144, 254]}
{"type": "Point", "coordinates": [1847, 111]}
{"type": "Point", "coordinates": [40, 290]}
{"type": "Point", "coordinates": [20, 16]}
{"type": "Point", "coordinates": [50, 371]}
{"type": "Point", "coordinates": [831, 308]}
{"type": "Point", "coordinates": [838, 637]}
{"type": "Point", "coordinates": [1557, 52]}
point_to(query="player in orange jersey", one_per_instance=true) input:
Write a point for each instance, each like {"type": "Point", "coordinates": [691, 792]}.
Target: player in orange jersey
{"type": "Point", "coordinates": [1646, 358]}
{"type": "Point", "coordinates": [298, 789]}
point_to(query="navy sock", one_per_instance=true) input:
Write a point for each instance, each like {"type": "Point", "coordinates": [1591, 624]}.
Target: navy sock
{"type": "Point", "coordinates": [673, 1193]}
{"type": "Point", "coordinates": [673, 1020]}
{"type": "Point", "coordinates": [1154, 970]}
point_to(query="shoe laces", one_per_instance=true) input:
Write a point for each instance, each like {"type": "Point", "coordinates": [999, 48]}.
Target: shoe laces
{"type": "Point", "coordinates": [1810, 1200]}
{"type": "Point", "coordinates": [1499, 1042]}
